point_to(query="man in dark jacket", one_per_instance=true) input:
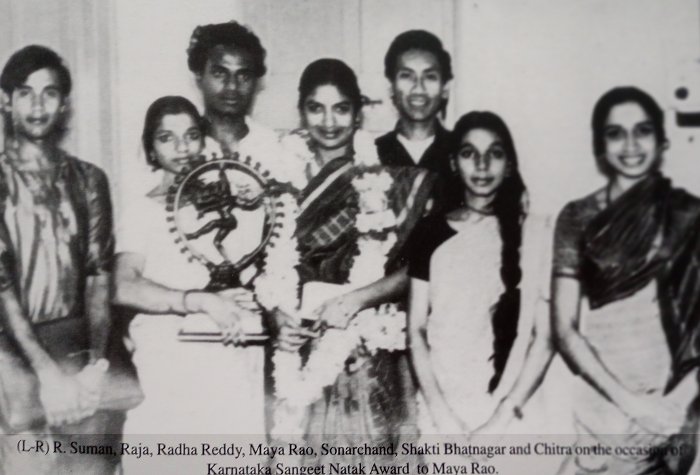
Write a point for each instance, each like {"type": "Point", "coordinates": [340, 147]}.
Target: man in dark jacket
{"type": "Point", "coordinates": [419, 70]}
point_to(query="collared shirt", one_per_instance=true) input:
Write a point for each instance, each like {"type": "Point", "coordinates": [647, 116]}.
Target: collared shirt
{"type": "Point", "coordinates": [55, 231]}
{"type": "Point", "coordinates": [436, 158]}
{"type": "Point", "coordinates": [415, 148]}
{"type": "Point", "coordinates": [258, 137]}
{"type": "Point", "coordinates": [262, 145]}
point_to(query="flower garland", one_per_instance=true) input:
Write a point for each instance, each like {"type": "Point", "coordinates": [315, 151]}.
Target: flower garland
{"type": "Point", "coordinates": [277, 287]}
{"type": "Point", "coordinates": [383, 327]}
{"type": "Point", "coordinates": [298, 145]}
{"type": "Point", "coordinates": [378, 328]}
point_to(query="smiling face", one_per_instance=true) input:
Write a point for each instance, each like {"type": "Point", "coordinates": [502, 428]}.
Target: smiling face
{"type": "Point", "coordinates": [329, 117]}
{"type": "Point", "coordinates": [228, 82]}
{"type": "Point", "coordinates": [418, 87]}
{"type": "Point", "coordinates": [176, 141]}
{"type": "Point", "coordinates": [630, 144]}
{"type": "Point", "coordinates": [481, 162]}
{"type": "Point", "coordinates": [36, 107]}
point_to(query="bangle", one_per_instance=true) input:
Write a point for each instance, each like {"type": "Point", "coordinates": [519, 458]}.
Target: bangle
{"type": "Point", "coordinates": [184, 299]}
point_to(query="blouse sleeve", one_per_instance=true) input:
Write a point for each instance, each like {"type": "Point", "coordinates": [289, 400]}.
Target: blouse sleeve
{"type": "Point", "coordinates": [567, 240]}
{"type": "Point", "coordinates": [427, 236]}
{"type": "Point", "coordinates": [418, 259]}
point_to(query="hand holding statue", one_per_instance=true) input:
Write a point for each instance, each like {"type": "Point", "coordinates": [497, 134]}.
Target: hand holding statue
{"type": "Point", "coordinates": [223, 309]}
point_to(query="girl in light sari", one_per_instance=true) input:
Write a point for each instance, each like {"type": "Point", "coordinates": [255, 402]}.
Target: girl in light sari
{"type": "Point", "coordinates": [465, 281]}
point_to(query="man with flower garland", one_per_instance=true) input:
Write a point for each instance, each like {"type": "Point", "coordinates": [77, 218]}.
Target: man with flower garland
{"type": "Point", "coordinates": [419, 70]}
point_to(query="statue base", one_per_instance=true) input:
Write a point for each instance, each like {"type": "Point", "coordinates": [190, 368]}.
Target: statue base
{"type": "Point", "coordinates": [222, 277]}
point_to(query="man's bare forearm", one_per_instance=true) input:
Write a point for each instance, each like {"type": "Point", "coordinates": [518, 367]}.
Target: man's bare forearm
{"type": "Point", "coordinates": [97, 303]}
{"type": "Point", "coordinates": [387, 289]}
{"type": "Point", "coordinates": [17, 325]}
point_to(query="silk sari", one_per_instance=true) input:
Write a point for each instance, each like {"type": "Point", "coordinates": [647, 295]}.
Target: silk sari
{"type": "Point", "coordinates": [646, 242]}
{"type": "Point", "coordinates": [373, 397]}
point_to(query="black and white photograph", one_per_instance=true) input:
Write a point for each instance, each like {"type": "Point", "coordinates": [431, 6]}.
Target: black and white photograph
{"type": "Point", "coordinates": [301, 237]}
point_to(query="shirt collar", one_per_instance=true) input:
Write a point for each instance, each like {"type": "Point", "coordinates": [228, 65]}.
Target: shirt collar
{"type": "Point", "coordinates": [440, 131]}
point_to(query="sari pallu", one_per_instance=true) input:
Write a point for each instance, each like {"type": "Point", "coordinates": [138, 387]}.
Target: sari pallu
{"type": "Point", "coordinates": [651, 236]}
{"type": "Point", "coordinates": [325, 229]}
{"type": "Point", "coordinates": [619, 258]}
{"type": "Point", "coordinates": [373, 396]}
{"type": "Point", "coordinates": [325, 226]}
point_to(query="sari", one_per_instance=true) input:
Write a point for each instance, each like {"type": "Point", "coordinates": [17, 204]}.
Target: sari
{"type": "Point", "coordinates": [619, 259]}
{"type": "Point", "coordinates": [638, 267]}
{"type": "Point", "coordinates": [374, 396]}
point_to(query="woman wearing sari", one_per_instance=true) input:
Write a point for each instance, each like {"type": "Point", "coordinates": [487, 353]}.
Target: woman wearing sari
{"type": "Point", "coordinates": [162, 285]}
{"type": "Point", "coordinates": [459, 326]}
{"type": "Point", "coordinates": [631, 251]}
{"type": "Point", "coordinates": [367, 401]}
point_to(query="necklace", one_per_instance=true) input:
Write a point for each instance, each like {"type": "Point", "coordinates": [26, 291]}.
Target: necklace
{"type": "Point", "coordinates": [483, 212]}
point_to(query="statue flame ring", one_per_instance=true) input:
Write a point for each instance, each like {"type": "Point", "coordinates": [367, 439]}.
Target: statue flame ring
{"type": "Point", "coordinates": [222, 214]}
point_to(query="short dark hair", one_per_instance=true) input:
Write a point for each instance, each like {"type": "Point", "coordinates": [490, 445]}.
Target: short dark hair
{"type": "Point", "coordinates": [206, 37]}
{"type": "Point", "coordinates": [30, 59]}
{"type": "Point", "coordinates": [334, 72]}
{"type": "Point", "coordinates": [622, 95]}
{"type": "Point", "coordinates": [161, 107]}
{"type": "Point", "coordinates": [417, 40]}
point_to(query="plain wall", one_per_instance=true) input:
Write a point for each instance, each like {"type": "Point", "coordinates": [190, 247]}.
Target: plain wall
{"type": "Point", "coordinates": [540, 64]}
{"type": "Point", "coordinates": [79, 31]}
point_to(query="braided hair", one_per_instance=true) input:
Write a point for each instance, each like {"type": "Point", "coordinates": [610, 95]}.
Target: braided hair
{"type": "Point", "coordinates": [509, 209]}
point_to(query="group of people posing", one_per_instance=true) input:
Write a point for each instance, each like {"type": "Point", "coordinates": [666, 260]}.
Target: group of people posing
{"type": "Point", "coordinates": [623, 309]}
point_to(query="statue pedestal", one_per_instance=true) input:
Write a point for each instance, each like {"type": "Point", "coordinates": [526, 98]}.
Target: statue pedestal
{"type": "Point", "coordinates": [223, 276]}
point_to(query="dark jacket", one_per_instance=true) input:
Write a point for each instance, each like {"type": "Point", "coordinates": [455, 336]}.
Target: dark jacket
{"type": "Point", "coordinates": [448, 189]}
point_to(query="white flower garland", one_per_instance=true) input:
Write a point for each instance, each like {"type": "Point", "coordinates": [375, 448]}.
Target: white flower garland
{"type": "Point", "coordinates": [380, 328]}
{"type": "Point", "coordinates": [277, 287]}
{"type": "Point", "coordinates": [365, 149]}
{"type": "Point", "coordinates": [297, 145]}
